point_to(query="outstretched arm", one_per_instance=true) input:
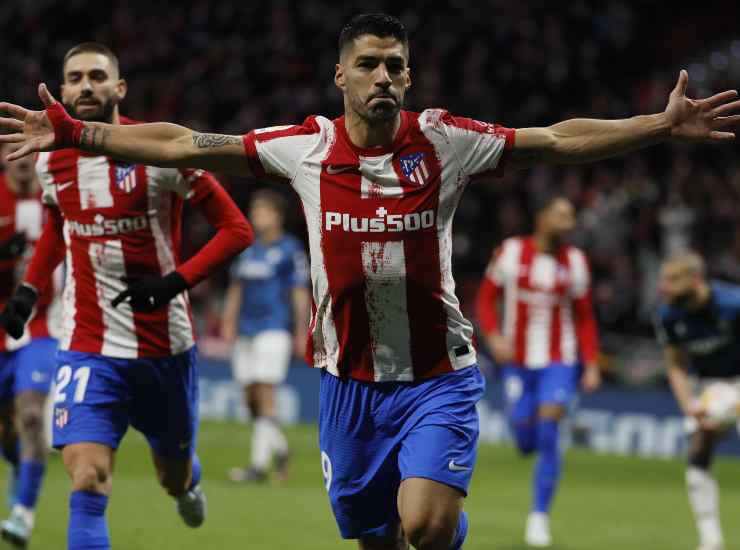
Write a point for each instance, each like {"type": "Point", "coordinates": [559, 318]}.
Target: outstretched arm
{"type": "Point", "coordinates": [587, 140]}
{"type": "Point", "coordinates": [155, 144]}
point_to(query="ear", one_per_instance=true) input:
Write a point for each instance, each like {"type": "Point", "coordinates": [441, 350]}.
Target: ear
{"type": "Point", "coordinates": [339, 78]}
{"type": "Point", "coordinates": [121, 89]}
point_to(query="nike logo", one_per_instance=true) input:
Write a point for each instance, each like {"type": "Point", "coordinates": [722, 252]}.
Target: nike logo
{"type": "Point", "coordinates": [63, 186]}
{"type": "Point", "coordinates": [38, 377]}
{"type": "Point", "coordinates": [332, 170]}
{"type": "Point", "coordinates": [457, 468]}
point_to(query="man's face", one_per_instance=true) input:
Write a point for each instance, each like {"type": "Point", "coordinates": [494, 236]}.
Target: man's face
{"type": "Point", "coordinates": [373, 74]}
{"type": "Point", "coordinates": [264, 216]}
{"type": "Point", "coordinates": [92, 87]}
{"type": "Point", "coordinates": [678, 284]}
{"type": "Point", "coordinates": [21, 171]}
{"type": "Point", "coordinates": [559, 218]}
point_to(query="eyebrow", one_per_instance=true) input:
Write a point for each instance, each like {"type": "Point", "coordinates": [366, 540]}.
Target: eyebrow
{"type": "Point", "coordinates": [366, 57]}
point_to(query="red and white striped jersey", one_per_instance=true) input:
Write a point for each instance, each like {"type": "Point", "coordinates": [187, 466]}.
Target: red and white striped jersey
{"type": "Point", "coordinates": [26, 215]}
{"type": "Point", "coordinates": [122, 220]}
{"type": "Point", "coordinates": [380, 238]}
{"type": "Point", "coordinates": [546, 303]}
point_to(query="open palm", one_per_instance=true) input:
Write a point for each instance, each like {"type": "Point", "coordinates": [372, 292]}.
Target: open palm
{"type": "Point", "coordinates": [32, 129]}
{"type": "Point", "coordinates": [701, 120]}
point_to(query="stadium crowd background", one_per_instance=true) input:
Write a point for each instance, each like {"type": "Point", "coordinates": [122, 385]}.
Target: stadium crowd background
{"type": "Point", "coordinates": [233, 66]}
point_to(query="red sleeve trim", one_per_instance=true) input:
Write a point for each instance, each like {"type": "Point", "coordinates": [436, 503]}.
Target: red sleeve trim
{"type": "Point", "coordinates": [253, 158]}
{"type": "Point", "coordinates": [49, 252]}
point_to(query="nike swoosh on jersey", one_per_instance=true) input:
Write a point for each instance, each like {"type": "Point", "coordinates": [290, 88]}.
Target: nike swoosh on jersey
{"type": "Point", "coordinates": [332, 170]}
{"type": "Point", "coordinates": [457, 468]}
{"type": "Point", "coordinates": [63, 186]}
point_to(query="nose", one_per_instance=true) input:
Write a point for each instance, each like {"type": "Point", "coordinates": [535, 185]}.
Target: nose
{"type": "Point", "coordinates": [384, 77]}
{"type": "Point", "coordinates": [86, 85]}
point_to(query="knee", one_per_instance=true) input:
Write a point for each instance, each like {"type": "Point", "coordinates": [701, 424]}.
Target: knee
{"type": "Point", "coordinates": [90, 476]}
{"type": "Point", "coordinates": [31, 421]}
{"type": "Point", "coordinates": [430, 531]}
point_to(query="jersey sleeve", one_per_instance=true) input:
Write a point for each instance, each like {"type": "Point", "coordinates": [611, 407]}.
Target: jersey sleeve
{"type": "Point", "coordinates": [585, 321]}
{"type": "Point", "coordinates": [276, 152]}
{"type": "Point", "coordinates": [481, 147]}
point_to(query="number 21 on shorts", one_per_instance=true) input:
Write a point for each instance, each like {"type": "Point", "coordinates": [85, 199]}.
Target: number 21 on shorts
{"type": "Point", "coordinates": [80, 376]}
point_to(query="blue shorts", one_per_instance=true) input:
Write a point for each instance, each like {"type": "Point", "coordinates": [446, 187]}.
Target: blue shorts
{"type": "Point", "coordinates": [526, 389]}
{"type": "Point", "coordinates": [29, 368]}
{"type": "Point", "coordinates": [97, 397]}
{"type": "Point", "coordinates": [374, 435]}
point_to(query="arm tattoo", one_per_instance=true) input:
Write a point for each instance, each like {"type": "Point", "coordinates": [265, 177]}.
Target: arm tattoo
{"type": "Point", "coordinates": [206, 141]}
{"type": "Point", "coordinates": [93, 138]}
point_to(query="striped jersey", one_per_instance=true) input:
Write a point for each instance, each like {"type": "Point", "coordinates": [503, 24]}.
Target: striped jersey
{"type": "Point", "coordinates": [546, 303]}
{"type": "Point", "coordinates": [26, 215]}
{"type": "Point", "coordinates": [380, 238]}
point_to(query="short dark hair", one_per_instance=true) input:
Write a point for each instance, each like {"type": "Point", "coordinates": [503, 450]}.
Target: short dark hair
{"type": "Point", "coordinates": [381, 25]}
{"type": "Point", "coordinates": [91, 47]}
{"type": "Point", "coordinates": [276, 199]}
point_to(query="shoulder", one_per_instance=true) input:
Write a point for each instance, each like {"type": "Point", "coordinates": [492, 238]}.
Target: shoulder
{"type": "Point", "coordinates": [313, 125]}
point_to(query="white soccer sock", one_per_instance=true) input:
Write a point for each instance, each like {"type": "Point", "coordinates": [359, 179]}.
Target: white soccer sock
{"type": "Point", "coordinates": [704, 499]}
{"type": "Point", "coordinates": [278, 443]}
{"type": "Point", "coordinates": [261, 444]}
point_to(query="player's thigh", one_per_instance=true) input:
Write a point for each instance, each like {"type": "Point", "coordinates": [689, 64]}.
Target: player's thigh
{"type": "Point", "coordinates": [520, 394]}
{"type": "Point", "coordinates": [359, 461]}
{"type": "Point", "coordinates": [558, 386]}
{"type": "Point", "coordinates": [272, 352]}
{"type": "Point", "coordinates": [164, 404]}
{"type": "Point", "coordinates": [90, 400]}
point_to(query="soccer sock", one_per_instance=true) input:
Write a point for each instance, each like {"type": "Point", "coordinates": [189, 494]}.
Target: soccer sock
{"type": "Point", "coordinates": [88, 529]}
{"type": "Point", "coordinates": [525, 435]}
{"type": "Point", "coordinates": [547, 470]}
{"type": "Point", "coordinates": [461, 532]}
{"type": "Point", "coordinates": [278, 442]}
{"type": "Point", "coordinates": [704, 499]}
{"type": "Point", "coordinates": [30, 477]}
{"type": "Point", "coordinates": [261, 444]}
{"type": "Point", "coordinates": [197, 472]}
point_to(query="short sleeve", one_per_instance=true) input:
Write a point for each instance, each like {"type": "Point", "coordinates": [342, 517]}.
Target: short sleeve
{"type": "Point", "coordinates": [481, 147]}
{"type": "Point", "coordinates": [580, 273]}
{"type": "Point", "coordinates": [277, 151]}
{"type": "Point", "coordinates": [504, 264]}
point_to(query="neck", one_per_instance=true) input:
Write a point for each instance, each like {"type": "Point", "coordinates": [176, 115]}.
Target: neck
{"type": "Point", "coordinates": [365, 135]}
{"type": "Point", "coordinates": [545, 243]}
{"type": "Point", "coordinates": [270, 235]}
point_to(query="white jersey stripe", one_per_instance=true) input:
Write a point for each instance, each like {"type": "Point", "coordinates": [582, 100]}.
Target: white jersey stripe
{"type": "Point", "coordinates": [384, 265]}
{"type": "Point", "coordinates": [68, 296]}
{"type": "Point", "coordinates": [93, 182]}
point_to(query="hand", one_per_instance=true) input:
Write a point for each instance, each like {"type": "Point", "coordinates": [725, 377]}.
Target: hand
{"type": "Point", "coordinates": [151, 292]}
{"type": "Point", "coordinates": [13, 247]}
{"type": "Point", "coordinates": [591, 378]}
{"type": "Point", "coordinates": [697, 410]}
{"type": "Point", "coordinates": [33, 129]}
{"type": "Point", "coordinates": [701, 120]}
{"type": "Point", "coordinates": [18, 311]}
{"type": "Point", "coordinates": [500, 348]}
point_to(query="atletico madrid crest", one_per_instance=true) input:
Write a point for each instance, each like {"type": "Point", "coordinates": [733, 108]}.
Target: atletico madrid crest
{"type": "Point", "coordinates": [414, 168]}
{"type": "Point", "coordinates": [126, 177]}
{"type": "Point", "coordinates": [61, 417]}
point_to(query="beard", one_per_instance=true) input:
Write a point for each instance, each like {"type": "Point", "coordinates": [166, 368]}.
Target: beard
{"type": "Point", "coordinates": [684, 300]}
{"type": "Point", "coordinates": [379, 112]}
{"type": "Point", "coordinates": [103, 112]}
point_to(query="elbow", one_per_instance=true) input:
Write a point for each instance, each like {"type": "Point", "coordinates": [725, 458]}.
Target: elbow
{"type": "Point", "coordinates": [243, 234]}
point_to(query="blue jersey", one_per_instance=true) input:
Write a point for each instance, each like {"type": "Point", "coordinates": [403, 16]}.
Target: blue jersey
{"type": "Point", "coordinates": [709, 335]}
{"type": "Point", "coordinates": [268, 274]}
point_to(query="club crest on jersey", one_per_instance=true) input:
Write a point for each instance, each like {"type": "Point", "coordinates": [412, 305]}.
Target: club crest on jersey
{"type": "Point", "coordinates": [414, 168]}
{"type": "Point", "coordinates": [61, 417]}
{"type": "Point", "coordinates": [126, 177]}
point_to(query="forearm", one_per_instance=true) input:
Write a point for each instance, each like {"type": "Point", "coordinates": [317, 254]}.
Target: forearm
{"type": "Point", "coordinates": [582, 140]}
{"type": "Point", "coordinates": [232, 304]}
{"type": "Point", "coordinates": [681, 386]}
{"type": "Point", "coordinates": [301, 308]}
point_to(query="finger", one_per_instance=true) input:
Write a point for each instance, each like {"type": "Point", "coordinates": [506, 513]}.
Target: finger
{"type": "Point", "coordinates": [46, 98]}
{"type": "Point", "coordinates": [727, 108]}
{"type": "Point", "coordinates": [12, 138]}
{"type": "Point", "coordinates": [726, 121]}
{"type": "Point", "coordinates": [11, 124]}
{"type": "Point", "coordinates": [720, 98]}
{"type": "Point", "coordinates": [26, 150]}
{"type": "Point", "coordinates": [721, 136]}
{"type": "Point", "coordinates": [683, 83]}
{"type": "Point", "coordinates": [120, 298]}
{"type": "Point", "coordinates": [16, 111]}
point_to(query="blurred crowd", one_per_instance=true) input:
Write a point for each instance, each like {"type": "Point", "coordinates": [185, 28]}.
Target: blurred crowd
{"type": "Point", "coordinates": [232, 66]}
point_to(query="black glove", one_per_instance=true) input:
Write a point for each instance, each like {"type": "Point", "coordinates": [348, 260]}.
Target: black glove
{"type": "Point", "coordinates": [150, 292]}
{"type": "Point", "coordinates": [13, 247]}
{"type": "Point", "coordinates": [18, 310]}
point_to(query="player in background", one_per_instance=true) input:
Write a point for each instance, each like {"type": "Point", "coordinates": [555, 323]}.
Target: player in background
{"type": "Point", "coordinates": [127, 351]}
{"type": "Point", "coordinates": [26, 365]}
{"type": "Point", "coordinates": [547, 329]}
{"type": "Point", "coordinates": [379, 187]}
{"type": "Point", "coordinates": [699, 327]}
{"type": "Point", "coordinates": [266, 314]}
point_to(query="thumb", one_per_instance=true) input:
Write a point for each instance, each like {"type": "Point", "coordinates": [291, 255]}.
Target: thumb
{"type": "Point", "coordinates": [682, 83]}
{"type": "Point", "coordinates": [45, 95]}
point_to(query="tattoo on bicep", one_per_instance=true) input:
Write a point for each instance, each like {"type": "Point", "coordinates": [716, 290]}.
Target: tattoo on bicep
{"type": "Point", "coordinates": [206, 141]}
{"type": "Point", "coordinates": [93, 138]}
